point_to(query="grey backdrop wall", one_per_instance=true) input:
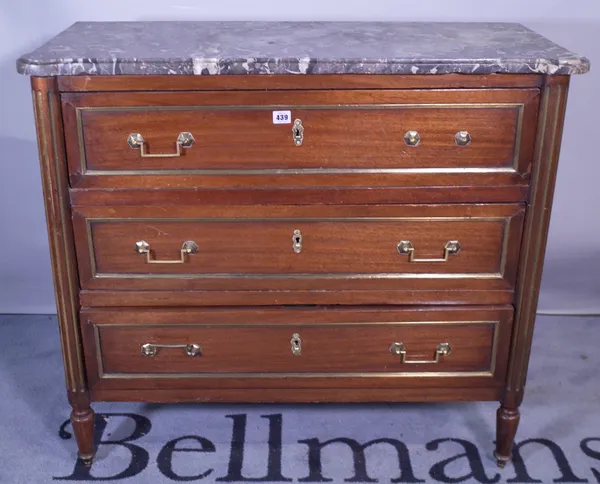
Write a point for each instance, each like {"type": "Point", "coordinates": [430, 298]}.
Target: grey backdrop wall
{"type": "Point", "coordinates": [572, 274]}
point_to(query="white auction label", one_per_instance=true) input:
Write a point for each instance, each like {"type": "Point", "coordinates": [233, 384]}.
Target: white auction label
{"type": "Point", "coordinates": [282, 117]}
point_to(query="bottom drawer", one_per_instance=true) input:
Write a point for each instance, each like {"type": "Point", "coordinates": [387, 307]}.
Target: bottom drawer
{"type": "Point", "coordinates": [295, 348]}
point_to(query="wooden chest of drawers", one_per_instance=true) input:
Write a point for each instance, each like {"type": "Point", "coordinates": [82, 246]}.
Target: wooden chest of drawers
{"type": "Point", "coordinates": [285, 238]}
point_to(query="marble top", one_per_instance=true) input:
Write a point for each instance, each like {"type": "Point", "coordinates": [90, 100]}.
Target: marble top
{"type": "Point", "coordinates": [220, 48]}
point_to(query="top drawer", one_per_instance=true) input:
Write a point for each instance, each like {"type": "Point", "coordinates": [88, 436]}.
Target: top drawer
{"type": "Point", "coordinates": [328, 138]}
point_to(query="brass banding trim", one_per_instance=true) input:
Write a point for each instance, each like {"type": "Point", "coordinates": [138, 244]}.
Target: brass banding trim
{"type": "Point", "coordinates": [308, 171]}
{"type": "Point", "coordinates": [300, 275]}
{"type": "Point", "coordinates": [404, 275]}
{"type": "Point", "coordinates": [520, 289]}
{"type": "Point", "coordinates": [494, 348]}
{"type": "Point", "coordinates": [72, 282]}
{"type": "Point", "coordinates": [81, 141]}
{"type": "Point", "coordinates": [55, 206]}
{"type": "Point", "coordinates": [38, 103]}
{"type": "Point", "coordinates": [127, 376]}
{"type": "Point", "coordinates": [431, 374]}
{"type": "Point", "coordinates": [269, 107]}
{"type": "Point", "coordinates": [279, 325]}
{"type": "Point", "coordinates": [298, 219]}
{"type": "Point", "coordinates": [505, 237]}
{"type": "Point", "coordinates": [536, 237]}
{"type": "Point", "coordinates": [518, 136]}
{"type": "Point", "coordinates": [99, 359]}
{"type": "Point", "coordinates": [277, 171]}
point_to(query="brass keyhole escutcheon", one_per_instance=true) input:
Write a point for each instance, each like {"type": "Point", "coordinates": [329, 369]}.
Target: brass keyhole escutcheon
{"type": "Point", "coordinates": [296, 343]}
{"type": "Point", "coordinates": [298, 132]}
{"type": "Point", "coordinates": [297, 241]}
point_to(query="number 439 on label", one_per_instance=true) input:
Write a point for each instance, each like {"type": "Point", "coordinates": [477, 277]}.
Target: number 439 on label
{"type": "Point", "coordinates": [282, 117]}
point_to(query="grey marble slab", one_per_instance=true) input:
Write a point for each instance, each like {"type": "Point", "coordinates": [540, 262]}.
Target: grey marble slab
{"type": "Point", "coordinates": [220, 48]}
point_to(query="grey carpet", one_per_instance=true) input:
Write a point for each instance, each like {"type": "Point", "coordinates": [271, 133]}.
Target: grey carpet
{"type": "Point", "coordinates": [426, 442]}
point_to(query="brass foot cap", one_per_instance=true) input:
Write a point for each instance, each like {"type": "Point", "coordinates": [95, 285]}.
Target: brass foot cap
{"type": "Point", "coordinates": [87, 459]}
{"type": "Point", "coordinates": [501, 461]}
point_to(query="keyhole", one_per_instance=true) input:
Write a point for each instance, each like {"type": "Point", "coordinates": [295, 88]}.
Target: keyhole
{"type": "Point", "coordinates": [297, 239]}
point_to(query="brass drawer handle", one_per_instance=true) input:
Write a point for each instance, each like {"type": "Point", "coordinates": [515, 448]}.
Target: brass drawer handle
{"type": "Point", "coordinates": [443, 349]}
{"type": "Point", "coordinates": [150, 349]}
{"type": "Point", "coordinates": [296, 343]}
{"type": "Point", "coordinates": [143, 247]}
{"type": "Point", "coordinates": [184, 140]}
{"type": "Point", "coordinates": [298, 132]}
{"type": "Point", "coordinates": [405, 247]}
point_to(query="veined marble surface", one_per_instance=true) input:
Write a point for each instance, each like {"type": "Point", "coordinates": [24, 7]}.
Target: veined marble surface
{"type": "Point", "coordinates": [220, 48]}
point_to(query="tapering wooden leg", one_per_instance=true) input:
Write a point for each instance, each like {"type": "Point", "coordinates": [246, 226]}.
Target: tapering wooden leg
{"type": "Point", "coordinates": [82, 419]}
{"type": "Point", "coordinates": [507, 421]}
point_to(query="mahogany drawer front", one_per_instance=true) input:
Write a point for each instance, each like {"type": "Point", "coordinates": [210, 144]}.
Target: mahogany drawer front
{"type": "Point", "coordinates": [301, 344]}
{"type": "Point", "coordinates": [298, 248]}
{"type": "Point", "coordinates": [349, 138]}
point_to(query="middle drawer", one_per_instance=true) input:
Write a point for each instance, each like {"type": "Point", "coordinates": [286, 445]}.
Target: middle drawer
{"type": "Point", "coordinates": [306, 248]}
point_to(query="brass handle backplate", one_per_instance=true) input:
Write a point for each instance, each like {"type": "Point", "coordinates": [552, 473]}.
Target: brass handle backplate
{"type": "Point", "coordinates": [298, 132]}
{"type": "Point", "coordinates": [184, 140]}
{"type": "Point", "coordinates": [296, 343]}
{"type": "Point", "coordinates": [462, 138]}
{"type": "Point", "coordinates": [412, 138]}
{"type": "Point", "coordinates": [143, 247]}
{"type": "Point", "coordinates": [399, 349]}
{"type": "Point", "coordinates": [405, 247]}
{"type": "Point", "coordinates": [150, 349]}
